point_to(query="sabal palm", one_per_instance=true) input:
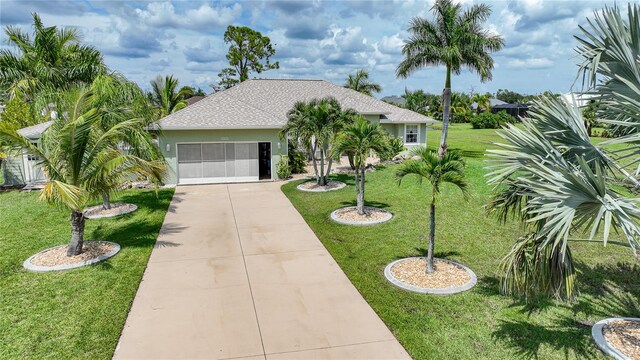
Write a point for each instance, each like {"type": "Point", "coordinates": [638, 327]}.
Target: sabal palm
{"type": "Point", "coordinates": [166, 96]}
{"type": "Point", "coordinates": [436, 170]}
{"type": "Point", "coordinates": [360, 139]}
{"type": "Point", "coordinates": [52, 58]}
{"type": "Point", "coordinates": [550, 175]}
{"type": "Point", "coordinates": [360, 82]}
{"type": "Point", "coordinates": [316, 124]}
{"type": "Point", "coordinates": [77, 154]}
{"type": "Point", "coordinates": [454, 39]}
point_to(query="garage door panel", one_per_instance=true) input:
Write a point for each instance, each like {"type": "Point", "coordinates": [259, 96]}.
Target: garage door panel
{"type": "Point", "coordinates": [230, 159]}
{"type": "Point", "coordinates": [218, 162]}
{"type": "Point", "coordinates": [213, 169]}
{"type": "Point", "coordinates": [190, 170]}
{"type": "Point", "coordinates": [213, 152]}
{"type": "Point", "coordinates": [189, 153]}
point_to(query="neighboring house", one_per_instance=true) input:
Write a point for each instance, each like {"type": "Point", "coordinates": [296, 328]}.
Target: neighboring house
{"type": "Point", "coordinates": [21, 167]}
{"type": "Point", "coordinates": [394, 100]}
{"type": "Point", "coordinates": [194, 99]}
{"type": "Point", "coordinates": [581, 100]}
{"type": "Point", "coordinates": [515, 110]}
{"type": "Point", "coordinates": [233, 135]}
{"type": "Point", "coordinates": [492, 102]}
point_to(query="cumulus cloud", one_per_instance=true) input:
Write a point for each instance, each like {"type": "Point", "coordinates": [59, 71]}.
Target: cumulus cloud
{"type": "Point", "coordinates": [164, 14]}
{"type": "Point", "coordinates": [531, 63]}
{"type": "Point", "coordinates": [201, 52]}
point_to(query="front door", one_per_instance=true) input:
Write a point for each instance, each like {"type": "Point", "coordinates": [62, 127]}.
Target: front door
{"type": "Point", "coordinates": [264, 160]}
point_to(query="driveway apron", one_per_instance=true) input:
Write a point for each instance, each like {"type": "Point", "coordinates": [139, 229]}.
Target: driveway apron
{"type": "Point", "coordinates": [236, 273]}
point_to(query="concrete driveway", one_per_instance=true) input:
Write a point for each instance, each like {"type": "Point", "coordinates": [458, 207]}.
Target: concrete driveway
{"type": "Point", "coordinates": [237, 274]}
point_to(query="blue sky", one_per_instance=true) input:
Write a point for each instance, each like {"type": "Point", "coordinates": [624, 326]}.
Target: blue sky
{"type": "Point", "coordinates": [315, 39]}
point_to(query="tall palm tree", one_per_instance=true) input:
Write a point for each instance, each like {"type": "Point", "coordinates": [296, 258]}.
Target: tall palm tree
{"type": "Point", "coordinates": [77, 155]}
{"type": "Point", "coordinates": [166, 96]}
{"type": "Point", "coordinates": [360, 83]}
{"type": "Point", "coordinates": [51, 58]}
{"type": "Point", "coordinates": [436, 170]}
{"type": "Point", "coordinates": [316, 124]}
{"type": "Point", "coordinates": [455, 39]}
{"type": "Point", "coordinates": [360, 139]}
{"type": "Point", "coordinates": [550, 176]}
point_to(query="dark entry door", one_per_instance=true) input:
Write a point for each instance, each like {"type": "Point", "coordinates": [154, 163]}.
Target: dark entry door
{"type": "Point", "coordinates": [264, 159]}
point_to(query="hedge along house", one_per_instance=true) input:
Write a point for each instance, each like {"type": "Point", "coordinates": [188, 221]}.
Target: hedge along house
{"type": "Point", "coordinates": [234, 135]}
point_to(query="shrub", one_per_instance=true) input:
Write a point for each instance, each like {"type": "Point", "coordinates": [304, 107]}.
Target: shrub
{"type": "Point", "coordinates": [297, 160]}
{"type": "Point", "coordinates": [488, 120]}
{"type": "Point", "coordinates": [396, 146]}
{"type": "Point", "coordinates": [282, 168]}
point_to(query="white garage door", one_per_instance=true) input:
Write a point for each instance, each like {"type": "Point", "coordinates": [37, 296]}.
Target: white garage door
{"type": "Point", "coordinates": [217, 162]}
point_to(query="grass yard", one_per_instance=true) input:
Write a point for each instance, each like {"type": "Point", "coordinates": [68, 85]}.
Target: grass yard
{"type": "Point", "coordinates": [75, 314]}
{"type": "Point", "coordinates": [480, 323]}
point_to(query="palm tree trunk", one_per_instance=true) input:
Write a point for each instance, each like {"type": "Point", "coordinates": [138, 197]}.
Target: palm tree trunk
{"type": "Point", "coordinates": [314, 161]}
{"type": "Point", "coordinates": [322, 181]}
{"type": "Point", "coordinates": [432, 236]}
{"type": "Point", "coordinates": [77, 234]}
{"type": "Point", "coordinates": [351, 163]}
{"type": "Point", "coordinates": [106, 202]}
{"type": "Point", "coordinates": [358, 191]}
{"type": "Point", "coordinates": [326, 176]}
{"type": "Point", "coordinates": [446, 110]}
{"type": "Point", "coordinates": [361, 194]}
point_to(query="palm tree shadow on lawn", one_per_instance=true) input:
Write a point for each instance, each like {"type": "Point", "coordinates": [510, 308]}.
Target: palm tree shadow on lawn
{"type": "Point", "coordinates": [371, 203]}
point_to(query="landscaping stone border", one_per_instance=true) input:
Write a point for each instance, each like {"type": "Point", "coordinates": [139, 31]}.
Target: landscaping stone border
{"type": "Point", "coordinates": [335, 218]}
{"type": "Point", "coordinates": [341, 186]}
{"type": "Point", "coordinates": [603, 344]}
{"type": "Point", "coordinates": [448, 291]}
{"type": "Point", "coordinates": [131, 209]}
{"type": "Point", "coordinates": [38, 268]}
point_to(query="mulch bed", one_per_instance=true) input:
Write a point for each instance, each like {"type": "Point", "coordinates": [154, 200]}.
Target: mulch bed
{"type": "Point", "coordinates": [58, 255]}
{"type": "Point", "coordinates": [10, 187]}
{"type": "Point", "coordinates": [116, 209]}
{"type": "Point", "coordinates": [445, 275]}
{"type": "Point", "coordinates": [370, 214]}
{"type": "Point", "coordinates": [313, 186]}
{"type": "Point", "coordinates": [624, 336]}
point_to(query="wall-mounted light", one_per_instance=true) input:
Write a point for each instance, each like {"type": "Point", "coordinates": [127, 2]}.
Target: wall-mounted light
{"type": "Point", "coordinates": [168, 147]}
{"type": "Point", "coordinates": [279, 146]}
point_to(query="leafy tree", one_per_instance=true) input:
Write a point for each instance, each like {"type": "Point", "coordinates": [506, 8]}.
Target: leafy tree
{"type": "Point", "coordinates": [190, 92]}
{"type": "Point", "coordinates": [359, 139]}
{"type": "Point", "coordinates": [460, 108]}
{"type": "Point", "coordinates": [249, 51]}
{"type": "Point", "coordinates": [227, 78]}
{"type": "Point", "coordinates": [483, 102]}
{"type": "Point", "coordinates": [455, 39]}
{"type": "Point", "coordinates": [360, 83]}
{"type": "Point", "coordinates": [17, 113]}
{"type": "Point", "coordinates": [77, 154]}
{"type": "Point", "coordinates": [436, 170]}
{"type": "Point", "coordinates": [510, 97]}
{"type": "Point", "coordinates": [316, 124]}
{"type": "Point", "coordinates": [555, 180]}
{"type": "Point", "coordinates": [165, 97]}
{"type": "Point", "coordinates": [415, 100]}
{"type": "Point", "coordinates": [51, 58]}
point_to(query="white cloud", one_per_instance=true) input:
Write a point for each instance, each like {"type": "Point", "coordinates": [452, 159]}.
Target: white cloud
{"type": "Point", "coordinates": [163, 14]}
{"type": "Point", "coordinates": [532, 63]}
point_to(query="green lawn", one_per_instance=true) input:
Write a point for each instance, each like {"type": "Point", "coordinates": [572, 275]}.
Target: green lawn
{"type": "Point", "coordinates": [478, 324]}
{"type": "Point", "coordinates": [75, 314]}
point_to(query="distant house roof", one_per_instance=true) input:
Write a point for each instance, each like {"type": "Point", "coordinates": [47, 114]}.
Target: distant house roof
{"type": "Point", "coordinates": [194, 99]}
{"type": "Point", "coordinates": [512, 106]}
{"type": "Point", "coordinates": [496, 102]}
{"type": "Point", "coordinates": [393, 99]}
{"type": "Point", "coordinates": [579, 99]}
{"type": "Point", "coordinates": [264, 103]}
{"type": "Point", "coordinates": [35, 131]}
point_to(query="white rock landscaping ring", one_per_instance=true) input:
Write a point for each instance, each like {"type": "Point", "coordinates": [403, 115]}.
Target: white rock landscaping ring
{"type": "Point", "coordinates": [448, 278]}
{"type": "Point", "coordinates": [349, 216]}
{"type": "Point", "coordinates": [117, 209]}
{"type": "Point", "coordinates": [55, 258]}
{"type": "Point", "coordinates": [312, 186]}
{"type": "Point", "coordinates": [616, 337]}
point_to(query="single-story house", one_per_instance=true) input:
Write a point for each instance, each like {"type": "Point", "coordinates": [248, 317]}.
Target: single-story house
{"type": "Point", "coordinates": [233, 135]}
{"type": "Point", "coordinates": [515, 110]}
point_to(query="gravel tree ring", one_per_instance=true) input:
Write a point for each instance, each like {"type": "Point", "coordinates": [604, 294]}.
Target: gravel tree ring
{"type": "Point", "coordinates": [434, 291]}
{"type": "Point", "coordinates": [336, 185]}
{"type": "Point", "coordinates": [117, 209]}
{"type": "Point", "coordinates": [40, 268]}
{"type": "Point", "coordinates": [601, 341]}
{"type": "Point", "coordinates": [385, 216]}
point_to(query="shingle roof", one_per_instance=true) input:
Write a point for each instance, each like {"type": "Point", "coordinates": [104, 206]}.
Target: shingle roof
{"type": "Point", "coordinates": [34, 132]}
{"type": "Point", "coordinates": [264, 103]}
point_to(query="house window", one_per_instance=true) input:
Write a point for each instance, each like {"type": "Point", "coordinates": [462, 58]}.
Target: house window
{"type": "Point", "coordinates": [411, 134]}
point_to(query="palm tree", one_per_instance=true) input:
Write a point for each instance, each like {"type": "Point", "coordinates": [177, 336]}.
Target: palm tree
{"type": "Point", "coordinates": [360, 139]}
{"type": "Point", "coordinates": [360, 83]}
{"type": "Point", "coordinates": [51, 58]}
{"type": "Point", "coordinates": [550, 176]}
{"type": "Point", "coordinates": [454, 39]}
{"type": "Point", "coordinates": [483, 102]}
{"type": "Point", "coordinates": [415, 100]}
{"type": "Point", "coordinates": [166, 97]}
{"type": "Point", "coordinates": [77, 155]}
{"type": "Point", "coordinates": [316, 125]}
{"type": "Point", "coordinates": [437, 170]}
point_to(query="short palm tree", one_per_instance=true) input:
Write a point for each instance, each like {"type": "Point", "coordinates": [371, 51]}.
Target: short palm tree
{"type": "Point", "coordinates": [166, 96]}
{"type": "Point", "coordinates": [483, 102]}
{"type": "Point", "coordinates": [316, 124]}
{"type": "Point", "coordinates": [360, 139]}
{"type": "Point", "coordinates": [436, 170]}
{"type": "Point", "coordinates": [77, 154]}
{"type": "Point", "coordinates": [360, 82]}
{"type": "Point", "coordinates": [51, 58]}
{"type": "Point", "coordinates": [455, 39]}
